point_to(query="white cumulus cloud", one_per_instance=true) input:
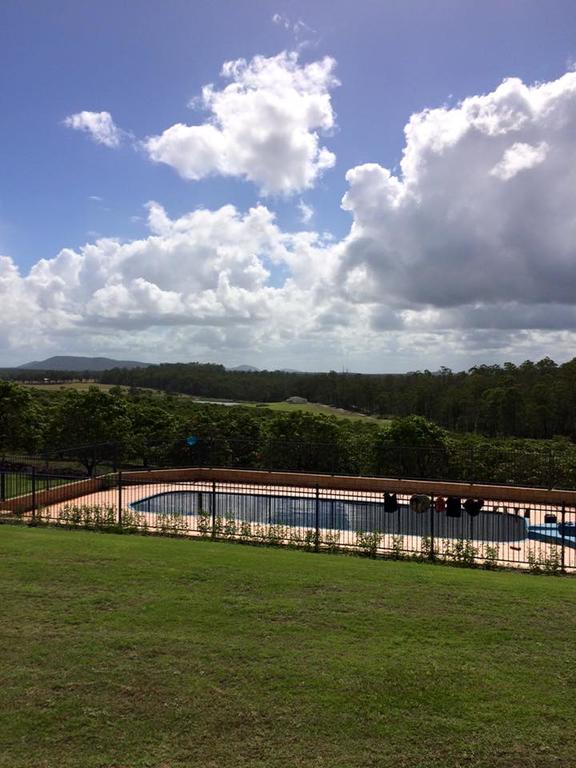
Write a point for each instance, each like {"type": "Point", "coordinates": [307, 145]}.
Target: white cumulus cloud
{"type": "Point", "coordinates": [466, 255]}
{"type": "Point", "coordinates": [205, 271]}
{"type": "Point", "coordinates": [480, 223]}
{"type": "Point", "coordinates": [264, 126]}
{"type": "Point", "coordinates": [519, 157]}
{"type": "Point", "coordinates": [99, 125]}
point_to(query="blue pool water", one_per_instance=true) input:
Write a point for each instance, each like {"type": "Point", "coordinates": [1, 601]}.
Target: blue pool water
{"type": "Point", "coordinates": [552, 533]}
{"type": "Point", "coordinates": [340, 514]}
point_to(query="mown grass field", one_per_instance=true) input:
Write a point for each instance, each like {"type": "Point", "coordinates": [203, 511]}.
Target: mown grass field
{"type": "Point", "coordinates": [316, 408]}
{"type": "Point", "coordinates": [133, 652]}
{"type": "Point", "coordinates": [79, 386]}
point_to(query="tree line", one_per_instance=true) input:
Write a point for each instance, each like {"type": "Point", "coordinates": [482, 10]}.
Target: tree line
{"type": "Point", "coordinates": [134, 428]}
{"type": "Point", "coordinates": [534, 399]}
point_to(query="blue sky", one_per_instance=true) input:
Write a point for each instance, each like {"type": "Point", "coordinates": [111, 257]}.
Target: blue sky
{"type": "Point", "coordinates": [142, 62]}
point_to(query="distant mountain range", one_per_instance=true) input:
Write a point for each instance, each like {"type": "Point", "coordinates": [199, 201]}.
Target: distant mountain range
{"type": "Point", "coordinates": [70, 363]}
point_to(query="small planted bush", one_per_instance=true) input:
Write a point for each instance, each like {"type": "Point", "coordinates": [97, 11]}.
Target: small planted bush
{"type": "Point", "coordinates": [368, 542]}
{"type": "Point", "coordinates": [276, 534]}
{"type": "Point", "coordinates": [133, 522]}
{"type": "Point", "coordinates": [204, 526]}
{"type": "Point", "coordinates": [101, 518]}
{"type": "Point", "coordinates": [461, 552]}
{"type": "Point", "coordinates": [545, 562]}
{"type": "Point", "coordinates": [245, 531]}
{"type": "Point", "coordinates": [310, 539]}
{"type": "Point", "coordinates": [426, 547]}
{"type": "Point", "coordinates": [331, 541]}
{"type": "Point", "coordinates": [491, 555]}
{"type": "Point", "coordinates": [398, 547]}
{"type": "Point", "coordinates": [218, 527]}
{"type": "Point", "coordinates": [172, 524]}
{"type": "Point", "coordinates": [88, 516]}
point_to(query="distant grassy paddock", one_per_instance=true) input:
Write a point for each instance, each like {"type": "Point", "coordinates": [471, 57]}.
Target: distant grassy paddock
{"type": "Point", "coordinates": [131, 651]}
{"type": "Point", "coordinates": [19, 484]}
{"type": "Point", "coordinates": [80, 386]}
{"type": "Point", "coordinates": [326, 409]}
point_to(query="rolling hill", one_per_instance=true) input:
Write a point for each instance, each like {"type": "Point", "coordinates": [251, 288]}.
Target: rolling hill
{"type": "Point", "coordinates": [71, 363]}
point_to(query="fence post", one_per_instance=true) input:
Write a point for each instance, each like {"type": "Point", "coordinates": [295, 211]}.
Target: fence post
{"type": "Point", "coordinates": [120, 498]}
{"type": "Point", "coordinates": [550, 469]}
{"type": "Point", "coordinates": [213, 504]}
{"type": "Point", "coordinates": [432, 510]}
{"type": "Point", "coordinates": [33, 495]}
{"type": "Point", "coordinates": [563, 552]}
{"type": "Point", "coordinates": [317, 520]}
{"type": "Point", "coordinates": [2, 486]}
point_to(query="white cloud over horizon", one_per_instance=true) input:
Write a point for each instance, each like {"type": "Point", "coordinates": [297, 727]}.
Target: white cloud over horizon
{"type": "Point", "coordinates": [468, 252]}
{"type": "Point", "coordinates": [203, 278]}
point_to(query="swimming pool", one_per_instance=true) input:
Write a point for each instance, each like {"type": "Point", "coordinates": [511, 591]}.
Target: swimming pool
{"type": "Point", "coordinates": [335, 514]}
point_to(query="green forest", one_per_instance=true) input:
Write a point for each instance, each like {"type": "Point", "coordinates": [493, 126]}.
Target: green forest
{"type": "Point", "coordinates": [491, 424]}
{"type": "Point", "coordinates": [536, 400]}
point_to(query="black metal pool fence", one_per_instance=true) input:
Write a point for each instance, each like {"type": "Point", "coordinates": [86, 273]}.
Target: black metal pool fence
{"type": "Point", "coordinates": [549, 467]}
{"type": "Point", "coordinates": [465, 531]}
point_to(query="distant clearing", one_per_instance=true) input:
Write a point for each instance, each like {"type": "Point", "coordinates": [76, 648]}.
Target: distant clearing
{"type": "Point", "coordinates": [19, 484]}
{"type": "Point", "coordinates": [284, 407]}
{"type": "Point", "coordinates": [80, 386]}
{"type": "Point", "coordinates": [341, 413]}
{"type": "Point", "coordinates": [319, 408]}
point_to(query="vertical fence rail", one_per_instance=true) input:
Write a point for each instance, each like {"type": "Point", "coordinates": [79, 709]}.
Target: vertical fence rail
{"type": "Point", "coordinates": [432, 513]}
{"type": "Point", "coordinates": [213, 509]}
{"type": "Point", "coordinates": [120, 498]}
{"type": "Point", "coordinates": [317, 519]}
{"type": "Point", "coordinates": [563, 530]}
{"type": "Point", "coordinates": [34, 495]}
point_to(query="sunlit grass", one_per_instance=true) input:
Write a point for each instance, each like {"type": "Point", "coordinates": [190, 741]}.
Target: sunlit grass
{"type": "Point", "coordinates": [132, 651]}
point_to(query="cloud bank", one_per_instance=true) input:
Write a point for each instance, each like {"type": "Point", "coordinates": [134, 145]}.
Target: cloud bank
{"type": "Point", "coordinates": [201, 279]}
{"type": "Point", "coordinates": [468, 252]}
{"type": "Point", "coordinates": [478, 228]}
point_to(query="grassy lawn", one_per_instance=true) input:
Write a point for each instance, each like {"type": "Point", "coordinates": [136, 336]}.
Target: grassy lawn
{"type": "Point", "coordinates": [132, 652]}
